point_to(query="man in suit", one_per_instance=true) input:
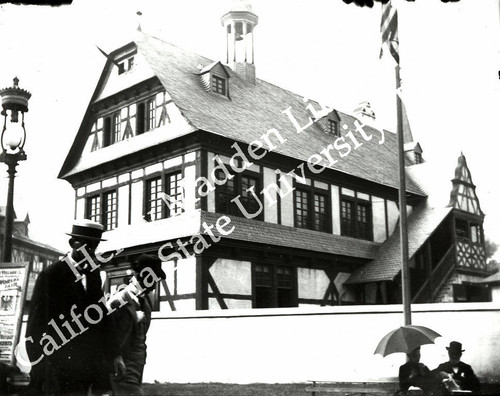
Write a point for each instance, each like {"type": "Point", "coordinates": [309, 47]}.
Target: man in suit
{"type": "Point", "coordinates": [414, 373]}
{"type": "Point", "coordinates": [460, 372]}
{"type": "Point", "coordinates": [132, 322]}
{"type": "Point", "coordinates": [69, 336]}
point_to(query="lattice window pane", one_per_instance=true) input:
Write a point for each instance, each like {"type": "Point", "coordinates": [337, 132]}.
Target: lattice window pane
{"type": "Point", "coordinates": [94, 208]}
{"type": "Point", "coordinates": [110, 210]}
{"type": "Point", "coordinates": [154, 202]}
{"type": "Point", "coordinates": [174, 191]}
{"type": "Point", "coordinates": [151, 115]}
{"type": "Point", "coordinates": [301, 208]}
{"type": "Point", "coordinates": [320, 213]}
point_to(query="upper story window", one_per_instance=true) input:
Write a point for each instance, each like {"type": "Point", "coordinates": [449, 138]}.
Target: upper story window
{"type": "Point", "coordinates": [356, 217]}
{"type": "Point", "coordinates": [333, 127]}
{"type": "Point", "coordinates": [110, 210]}
{"type": "Point", "coordinates": [219, 85]}
{"type": "Point", "coordinates": [117, 127]}
{"type": "Point", "coordinates": [164, 196]}
{"type": "Point", "coordinates": [240, 187]}
{"type": "Point", "coordinates": [151, 115]}
{"type": "Point", "coordinates": [418, 158]}
{"type": "Point", "coordinates": [103, 208]}
{"type": "Point", "coordinates": [154, 202]}
{"type": "Point", "coordinates": [129, 121]}
{"type": "Point", "coordinates": [470, 230]}
{"type": "Point", "coordinates": [94, 208]}
{"type": "Point", "coordinates": [476, 234]}
{"type": "Point", "coordinates": [312, 208]}
{"type": "Point", "coordinates": [125, 65]}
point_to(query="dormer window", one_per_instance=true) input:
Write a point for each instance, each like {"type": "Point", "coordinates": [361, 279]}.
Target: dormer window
{"type": "Point", "coordinates": [219, 85]}
{"type": "Point", "coordinates": [333, 127]}
{"type": "Point", "coordinates": [125, 65]}
{"type": "Point", "coordinates": [418, 158]}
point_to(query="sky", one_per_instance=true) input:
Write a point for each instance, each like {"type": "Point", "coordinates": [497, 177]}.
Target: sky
{"type": "Point", "coordinates": [323, 49]}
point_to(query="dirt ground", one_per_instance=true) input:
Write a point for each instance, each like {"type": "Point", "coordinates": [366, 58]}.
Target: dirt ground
{"type": "Point", "coordinates": [216, 389]}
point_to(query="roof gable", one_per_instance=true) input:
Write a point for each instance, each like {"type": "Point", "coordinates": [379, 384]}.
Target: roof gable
{"type": "Point", "coordinates": [250, 112]}
{"type": "Point", "coordinates": [114, 81]}
{"type": "Point", "coordinates": [463, 195]}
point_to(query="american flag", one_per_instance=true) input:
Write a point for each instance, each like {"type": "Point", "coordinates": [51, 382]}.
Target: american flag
{"type": "Point", "coordinates": [389, 30]}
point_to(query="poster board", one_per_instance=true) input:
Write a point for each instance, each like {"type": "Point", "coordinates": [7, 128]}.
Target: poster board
{"type": "Point", "coordinates": [13, 285]}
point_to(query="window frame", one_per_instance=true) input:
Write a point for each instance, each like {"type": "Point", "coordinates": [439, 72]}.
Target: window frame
{"type": "Point", "coordinates": [333, 127]}
{"type": "Point", "coordinates": [116, 127]}
{"type": "Point", "coordinates": [100, 217]}
{"type": "Point", "coordinates": [166, 212]}
{"type": "Point", "coordinates": [218, 84]}
{"type": "Point", "coordinates": [150, 114]}
{"type": "Point", "coordinates": [274, 285]}
{"type": "Point", "coordinates": [238, 190]}
{"type": "Point", "coordinates": [313, 191]}
{"type": "Point", "coordinates": [356, 202]}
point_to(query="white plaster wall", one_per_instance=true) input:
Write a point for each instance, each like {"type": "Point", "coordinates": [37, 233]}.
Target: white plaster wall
{"type": "Point", "coordinates": [312, 283]}
{"type": "Point", "coordinates": [123, 205]}
{"type": "Point", "coordinates": [232, 276]}
{"type": "Point", "coordinates": [301, 344]}
{"type": "Point", "coordinates": [378, 218]}
{"type": "Point", "coordinates": [270, 210]}
{"type": "Point", "coordinates": [231, 304]}
{"type": "Point", "coordinates": [186, 275]}
{"type": "Point", "coordinates": [335, 210]}
{"type": "Point", "coordinates": [189, 187]}
{"type": "Point", "coordinates": [392, 215]}
{"type": "Point", "coordinates": [495, 293]}
{"type": "Point", "coordinates": [80, 208]}
{"type": "Point", "coordinates": [186, 283]}
{"type": "Point", "coordinates": [287, 203]}
{"type": "Point", "coordinates": [137, 202]}
{"type": "Point", "coordinates": [211, 194]}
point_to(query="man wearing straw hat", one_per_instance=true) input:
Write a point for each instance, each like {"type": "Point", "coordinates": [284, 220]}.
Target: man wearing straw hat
{"type": "Point", "coordinates": [69, 334]}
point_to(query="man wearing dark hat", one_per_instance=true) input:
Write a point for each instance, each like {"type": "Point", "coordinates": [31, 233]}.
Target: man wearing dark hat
{"type": "Point", "coordinates": [69, 336]}
{"type": "Point", "coordinates": [132, 322]}
{"type": "Point", "coordinates": [460, 372]}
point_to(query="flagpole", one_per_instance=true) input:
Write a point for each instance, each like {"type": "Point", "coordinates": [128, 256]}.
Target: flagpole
{"type": "Point", "coordinates": [403, 225]}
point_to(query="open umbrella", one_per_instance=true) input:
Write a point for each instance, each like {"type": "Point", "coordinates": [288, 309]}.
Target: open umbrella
{"type": "Point", "coordinates": [405, 339]}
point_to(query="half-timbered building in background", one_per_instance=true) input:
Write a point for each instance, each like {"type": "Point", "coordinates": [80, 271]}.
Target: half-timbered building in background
{"type": "Point", "coordinates": [25, 249]}
{"type": "Point", "coordinates": [255, 197]}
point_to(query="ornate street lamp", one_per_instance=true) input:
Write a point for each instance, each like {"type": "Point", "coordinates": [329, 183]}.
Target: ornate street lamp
{"type": "Point", "coordinates": [14, 101]}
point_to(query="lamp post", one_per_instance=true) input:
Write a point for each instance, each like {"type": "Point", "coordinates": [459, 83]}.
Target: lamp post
{"type": "Point", "coordinates": [14, 101]}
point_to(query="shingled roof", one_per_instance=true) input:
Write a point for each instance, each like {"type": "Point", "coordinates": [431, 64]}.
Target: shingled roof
{"type": "Point", "coordinates": [251, 111]}
{"type": "Point", "coordinates": [425, 219]}
{"type": "Point", "coordinates": [292, 237]}
{"type": "Point", "coordinates": [255, 108]}
{"type": "Point", "coordinates": [421, 224]}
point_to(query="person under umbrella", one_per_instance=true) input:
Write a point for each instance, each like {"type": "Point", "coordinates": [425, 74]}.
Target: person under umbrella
{"type": "Point", "coordinates": [414, 373]}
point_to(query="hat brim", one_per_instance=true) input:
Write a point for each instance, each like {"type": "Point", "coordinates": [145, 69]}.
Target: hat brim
{"type": "Point", "coordinates": [455, 350]}
{"type": "Point", "coordinates": [85, 237]}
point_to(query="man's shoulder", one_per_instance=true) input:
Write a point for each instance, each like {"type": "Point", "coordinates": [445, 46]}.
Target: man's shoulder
{"type": "Point", "coordinates": [443, 366]}
{"type": "Point", "coordinates": [56, 268]}
{"type": "Point", "coordinates": [465, 365]}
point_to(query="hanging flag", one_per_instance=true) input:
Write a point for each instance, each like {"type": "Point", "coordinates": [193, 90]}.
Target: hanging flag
{"type": "Point", "coordinates": [389, 30]}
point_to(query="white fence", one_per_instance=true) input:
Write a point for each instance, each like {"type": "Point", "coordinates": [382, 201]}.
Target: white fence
{"type": "Point", "coordinates": [327, 343]}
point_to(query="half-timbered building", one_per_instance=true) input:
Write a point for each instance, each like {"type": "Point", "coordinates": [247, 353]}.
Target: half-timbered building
{"type": "Point", "coordinates": [255, 197]}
